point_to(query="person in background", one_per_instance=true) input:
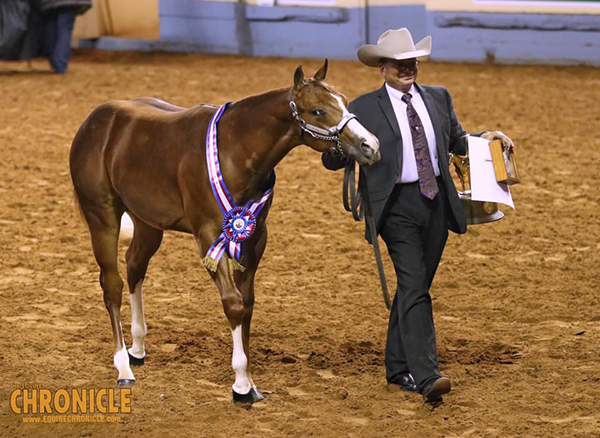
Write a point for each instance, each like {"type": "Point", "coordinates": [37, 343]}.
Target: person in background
{"type": "Point", "coordinates": [413, 198]}
{"type": "Point", "coordinates": [20, 30]}
{"type": "Point", "coordinates": [59, 19]}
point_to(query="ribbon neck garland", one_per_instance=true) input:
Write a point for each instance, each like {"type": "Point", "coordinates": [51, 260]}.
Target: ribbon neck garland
{"type": "Point", "coordinates": [239, 223]}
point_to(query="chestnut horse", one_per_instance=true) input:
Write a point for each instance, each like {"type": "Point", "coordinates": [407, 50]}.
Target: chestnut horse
{"type": "Point", "coordinates": [149, 158]}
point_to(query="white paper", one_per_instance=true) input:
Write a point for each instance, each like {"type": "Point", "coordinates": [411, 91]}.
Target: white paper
{"type": "Point", "coordinates": [484, 186]}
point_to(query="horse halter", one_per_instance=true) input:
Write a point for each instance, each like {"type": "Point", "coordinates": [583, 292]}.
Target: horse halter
{"type": "Point", "coordinates": [331, 134]}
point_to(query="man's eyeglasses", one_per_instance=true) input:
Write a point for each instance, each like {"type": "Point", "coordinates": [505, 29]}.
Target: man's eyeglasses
{"type": "Point", "coordinates": [404, 65]}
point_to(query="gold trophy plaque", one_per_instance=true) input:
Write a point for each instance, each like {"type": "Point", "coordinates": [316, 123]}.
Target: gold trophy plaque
{"type": "Point", "coordinates": [505, 164]}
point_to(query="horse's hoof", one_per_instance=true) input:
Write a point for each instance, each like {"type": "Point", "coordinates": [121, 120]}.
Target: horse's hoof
{"type": "Point", "coordinates": [125, 383]}
{"type": "Point", "coordinates": [252, 397]}
{"type": "Point", "coordinates": [134, 361]}
{"type": "Point", "coordinates": [256, 395]}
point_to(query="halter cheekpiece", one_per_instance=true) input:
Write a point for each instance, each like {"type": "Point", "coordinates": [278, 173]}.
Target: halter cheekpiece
{"type": "Point", "coordinates": [331, 134]}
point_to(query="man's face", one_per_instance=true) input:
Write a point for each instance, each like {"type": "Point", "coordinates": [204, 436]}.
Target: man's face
{"type": "Point", "coordinates": [401, 74]}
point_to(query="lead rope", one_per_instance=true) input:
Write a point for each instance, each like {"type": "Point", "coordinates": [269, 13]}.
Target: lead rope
{"type": "Point", "coordinates": [358, 203]}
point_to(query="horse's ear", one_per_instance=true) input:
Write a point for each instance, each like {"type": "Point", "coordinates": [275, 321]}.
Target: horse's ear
{"type": "Point", "coordinates": [298, 77]}
{"type": "Point", "coordinates": [320, 75]}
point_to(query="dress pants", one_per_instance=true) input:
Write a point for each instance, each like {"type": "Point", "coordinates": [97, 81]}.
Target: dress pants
{"type": "Point", "coordinates": [58, 30]}
{"type": "Point", "coordinates": [415, 231]}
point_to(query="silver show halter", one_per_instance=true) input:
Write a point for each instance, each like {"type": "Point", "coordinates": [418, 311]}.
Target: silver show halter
{"type": "Point", "coordinates": [331, 134]}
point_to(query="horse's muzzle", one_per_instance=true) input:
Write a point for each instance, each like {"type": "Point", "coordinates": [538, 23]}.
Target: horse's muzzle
{"type": "Point", "coordinates": [369, 151]}
{"type": "Point", "coordinates": [362, 145]}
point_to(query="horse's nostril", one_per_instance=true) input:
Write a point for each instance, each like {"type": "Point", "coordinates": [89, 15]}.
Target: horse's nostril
{"type": "Point", "coordinates": [366, 149]}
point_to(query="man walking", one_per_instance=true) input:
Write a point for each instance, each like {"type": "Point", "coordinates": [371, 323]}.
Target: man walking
{"type": "Point", "coordinates": [413, 198]}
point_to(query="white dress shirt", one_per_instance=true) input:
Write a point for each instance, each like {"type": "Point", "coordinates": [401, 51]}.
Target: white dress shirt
{"type": "Point", "coordinates": [409, 171]}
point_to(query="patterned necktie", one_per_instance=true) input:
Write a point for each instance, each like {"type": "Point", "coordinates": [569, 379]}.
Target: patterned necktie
{"type": "Point", "coordinates": [427, 181]}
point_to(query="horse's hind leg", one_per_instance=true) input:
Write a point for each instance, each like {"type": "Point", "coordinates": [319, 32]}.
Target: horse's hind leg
{"type": "Point", "coordinates": [145, 243]}
{"type": "Point", "coordinates": [103, 219]}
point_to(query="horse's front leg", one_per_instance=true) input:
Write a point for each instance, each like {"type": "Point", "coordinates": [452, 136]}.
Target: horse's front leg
{"type": "Point", "coordinates": [244, 281]}
{"type": "Point", "coordinates": [235, 311]}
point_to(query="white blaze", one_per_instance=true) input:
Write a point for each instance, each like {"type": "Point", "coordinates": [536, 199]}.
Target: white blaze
{"type": "Point", "coordinates": [356, 128]}
{"type": "Point", "coordinates": [239, 363]}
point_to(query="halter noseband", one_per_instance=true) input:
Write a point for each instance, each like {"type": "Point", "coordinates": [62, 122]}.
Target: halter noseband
{"type": "Point", "coordinates": [331, 134]}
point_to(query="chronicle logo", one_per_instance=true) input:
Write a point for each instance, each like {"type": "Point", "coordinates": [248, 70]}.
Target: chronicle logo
{"type": "Point", "coordinates": [83, 405]}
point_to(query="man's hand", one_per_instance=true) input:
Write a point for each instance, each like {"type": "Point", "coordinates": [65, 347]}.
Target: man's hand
{"type": "Point", "coordinates": [507, 143]}
{"type": "Point", "coordinates": [332, 162]}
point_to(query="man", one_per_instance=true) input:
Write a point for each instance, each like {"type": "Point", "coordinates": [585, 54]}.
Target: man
{"type": "Point", "coordinates": [413, 198]}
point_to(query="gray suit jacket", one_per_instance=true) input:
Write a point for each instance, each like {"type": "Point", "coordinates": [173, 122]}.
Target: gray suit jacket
{"type": "Point", "coordinates": [375, 112]}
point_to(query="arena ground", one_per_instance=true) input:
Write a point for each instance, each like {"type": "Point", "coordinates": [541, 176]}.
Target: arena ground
{"type": "Point", "coordinates": [516, 301]}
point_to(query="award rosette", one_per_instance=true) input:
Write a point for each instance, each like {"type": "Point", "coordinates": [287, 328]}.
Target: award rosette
{"type": "Point", "coordinates": [239, 224]}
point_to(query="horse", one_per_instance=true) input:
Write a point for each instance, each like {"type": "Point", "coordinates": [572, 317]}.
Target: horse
{"type": "Point", "coordinates": [149, 159]}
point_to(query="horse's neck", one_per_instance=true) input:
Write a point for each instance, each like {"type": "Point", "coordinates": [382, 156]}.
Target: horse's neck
{"type": "Point", "coordinates": [255, 134]}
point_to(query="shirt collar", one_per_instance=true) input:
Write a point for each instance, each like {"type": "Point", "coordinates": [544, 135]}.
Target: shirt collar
{"type": "Point", "coordinates": [392, 92]}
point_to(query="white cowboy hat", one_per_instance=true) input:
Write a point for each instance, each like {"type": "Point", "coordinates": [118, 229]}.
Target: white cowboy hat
{"type": "Point", "coordinates": [394, 44]}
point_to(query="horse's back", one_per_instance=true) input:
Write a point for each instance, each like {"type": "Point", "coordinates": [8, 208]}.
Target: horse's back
{"type": "Point", "coordinates": [117, 122]}
{"type": "Point", "coordinates": [158, 104]}
{"type": "Point", "coordinates": [149, 108]}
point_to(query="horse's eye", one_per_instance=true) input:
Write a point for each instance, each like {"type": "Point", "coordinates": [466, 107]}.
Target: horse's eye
{"type": "Point", "coordinates": [317, 112]}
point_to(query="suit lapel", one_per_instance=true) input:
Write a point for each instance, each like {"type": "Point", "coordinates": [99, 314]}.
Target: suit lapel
{"type": "Point", "coordinates": [386, 106]}
{"type": "Point", "coordinates": [435, 121]}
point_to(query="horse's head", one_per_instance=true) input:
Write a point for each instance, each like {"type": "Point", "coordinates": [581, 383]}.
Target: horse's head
{"type": "Point", "coordinates": [325, 122]}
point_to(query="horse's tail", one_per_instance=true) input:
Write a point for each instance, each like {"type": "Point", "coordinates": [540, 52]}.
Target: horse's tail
{"type": "Point", "coordinates": [77, 205]}
{"type": "Point", "coordinates": [75, 200]}
{"type": "Point", "coordinates": [86, 155]}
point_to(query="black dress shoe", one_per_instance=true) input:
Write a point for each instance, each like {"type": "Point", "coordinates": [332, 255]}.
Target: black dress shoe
{"type": "Point", "coordinates": [405, 382]}
{"type": "Point", "coordinates": [435, 389]}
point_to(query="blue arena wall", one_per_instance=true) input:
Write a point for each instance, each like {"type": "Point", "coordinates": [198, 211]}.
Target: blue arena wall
{"type": "Point", "coordinates": [337, 32]}
{"type": "Point", "coordinates": [512, 38]}
{"type": "Point", "coordinates": [238, 28]}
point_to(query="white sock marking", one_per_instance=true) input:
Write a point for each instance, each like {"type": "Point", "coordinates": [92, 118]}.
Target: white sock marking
{"type": "Point", "coordinates": [121, 361]}
{"type": "Point", "coordinates": [239, 363]}
{"type": "Point", "coordinates": [138, 322]}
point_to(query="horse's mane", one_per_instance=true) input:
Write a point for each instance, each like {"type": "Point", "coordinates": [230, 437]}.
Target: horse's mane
{"type": "Point", "coordinates": [252, 99]}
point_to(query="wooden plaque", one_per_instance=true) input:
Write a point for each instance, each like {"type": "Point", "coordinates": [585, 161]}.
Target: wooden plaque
{"type": "Point", "coordinates": [505, 164]}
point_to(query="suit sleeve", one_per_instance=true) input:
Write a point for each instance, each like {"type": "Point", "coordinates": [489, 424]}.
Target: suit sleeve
{"type": "Point", "coordinates": [336, 162]}
{"type": "Point", "coordinates": [458, 139]}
